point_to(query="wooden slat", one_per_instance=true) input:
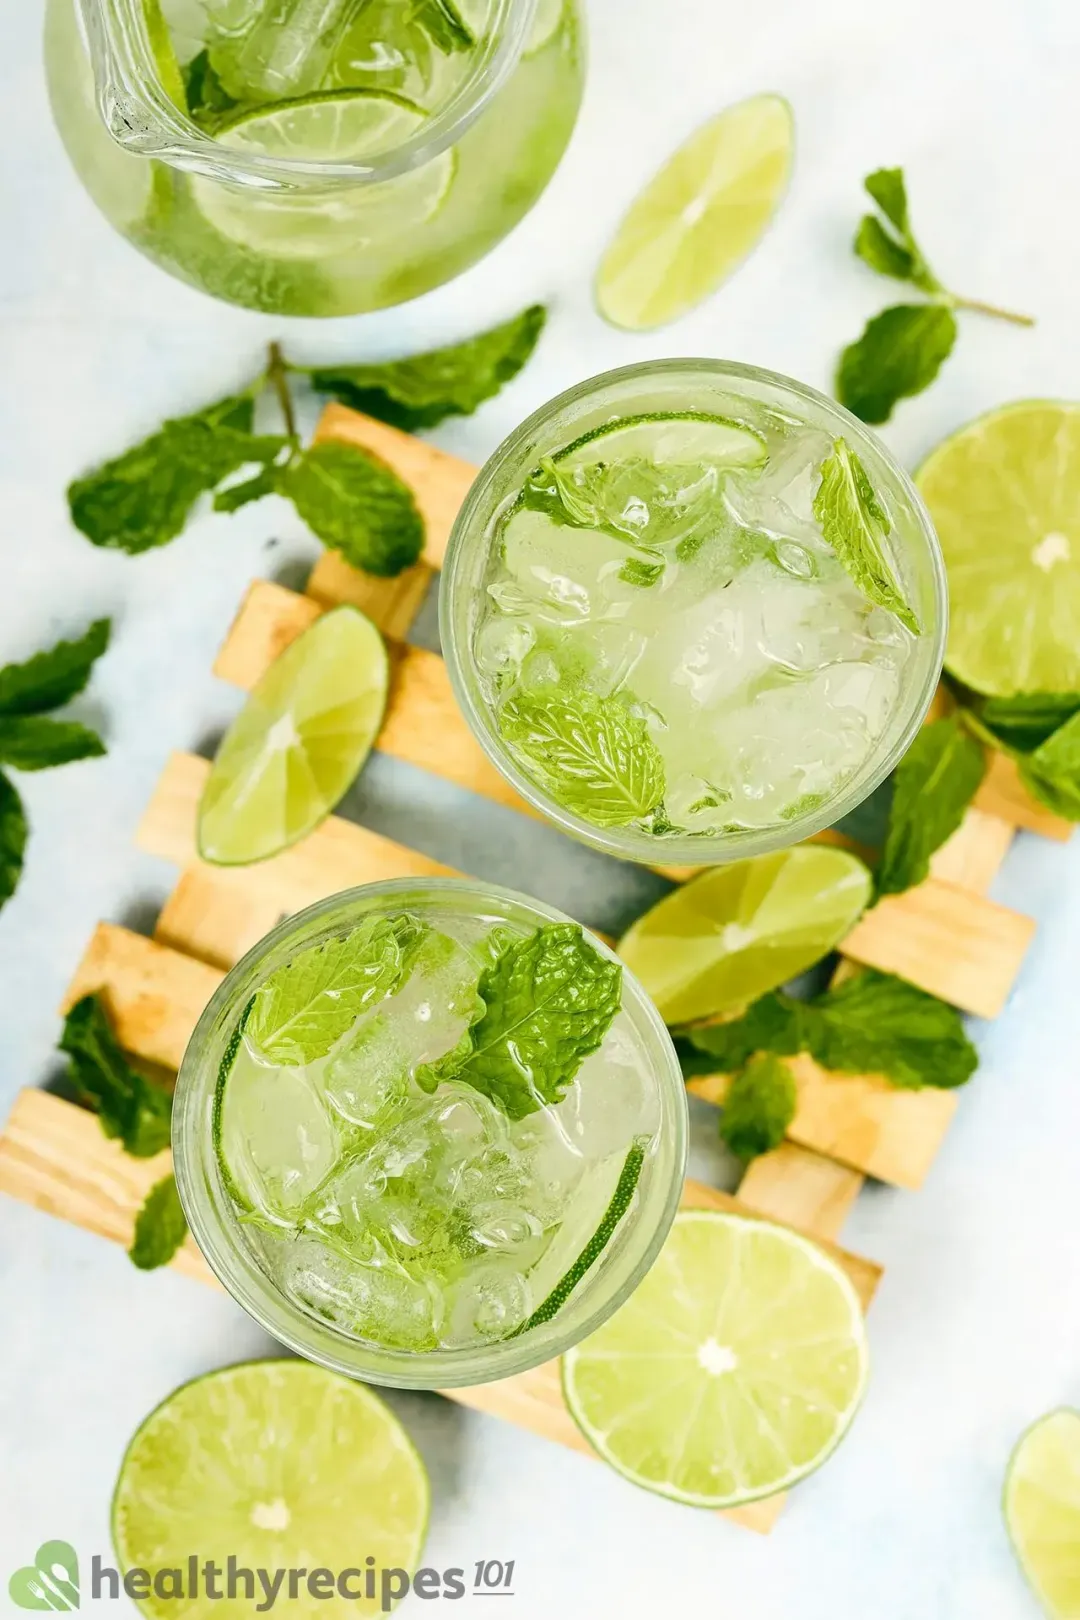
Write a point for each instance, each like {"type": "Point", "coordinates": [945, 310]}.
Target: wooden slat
{"type": "Point", "coordinates": [957, 945]}
{"type": "Point", "coordinates": [801, 1189]}
{"type": "Point", "coordinates": [153, 995]}
{"type": "Point", "coordinates": [54, 1157]}
{"type": "Point", "coordinates": [218, 913]}
{"type": "Point", "coordinates": [860, 1120]}
{"type": "Point", "coordinates": [973, 856]}
{"type": "Point", "coordinates": [1003, 794]}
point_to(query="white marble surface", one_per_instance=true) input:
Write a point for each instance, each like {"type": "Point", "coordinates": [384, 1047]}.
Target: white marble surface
{"type": "Point", "coordinates": [977, 1327]}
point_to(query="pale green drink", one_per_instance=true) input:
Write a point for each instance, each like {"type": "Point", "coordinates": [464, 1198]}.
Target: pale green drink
{"type": "Point", "coordinates": [314, 157]}
{"type": "Point", "coordinates": [430, 1133]}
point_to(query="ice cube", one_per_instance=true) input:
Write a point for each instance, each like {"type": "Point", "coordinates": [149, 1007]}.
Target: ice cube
{"type": "Point", "coordinates": [612, 1100]}
{"type": "Point", "coordinates": [278, 1138]}
{"type": "Point", "coordinates": [488, 1302]}
{"type": "Point", "coordinates": [319, 1280]}
{"type": "Point", "coordinates": [501, 647]}
{"type": "Point", "coordinates": [290, 47]}
{"type": "Point", "coordinates": [780, 498]}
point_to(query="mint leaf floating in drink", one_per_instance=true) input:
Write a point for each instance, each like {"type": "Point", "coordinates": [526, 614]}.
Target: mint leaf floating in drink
{"type": "Point", "coordinates": [423, 389]}
{"type": "Point", "coordinates": [856, 525]}
{"type": "Point", "coordinates": [160, 1226]}
{"type": "Point", "coordinates": [589, 753]}
{"type": "Point", "coordinates": [128, 1105]}
{"type": "Point", "coordinates": [356, 505]}
{"type": "Point", "coordinates": [933, 786]}
{"type": "Point", "coordinates": [874, 1023]}
{"type": "Point", "coordinates": [13, 835]}
{"type": "Point", "coordinates": [443, 23]}
{"type": "Point", "coordinates": [759, 1107]}
{"type": "Point", "coordinates": [144, 498]}
{"type": "Point", "coordinates": [548, 1001]}
{"type": "Point", "coordinates": [901, 350]}
{"type": "Point", "coordinates": [303, 1009]}
{"type": "Point", "coordinates": [54, 677]}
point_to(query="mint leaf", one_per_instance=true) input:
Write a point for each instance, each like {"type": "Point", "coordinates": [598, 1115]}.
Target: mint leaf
{"type": "Point", "coordinates": [878, 248]}
{"type": "Point", "coordinates": [421, 391]}
{"type": "Point", "coordinates": [882, 252]}
{"type": "Point", "coordinates": [548, 1001]}
{"type": "Point", "coordinates": [856, 526]}
{"type": "Point", "coordinates": [636, 572]}
{"type": "Point", "coordinates": [355, 504]}
{"type": "Point", "coordinates": [234, 496]}
{"type": "Point", "coordinates": [160, 1226]}
{"type": "Point", "coordinates": [759, 1107]}
{"type": "Point", "coordinates": [932, 787]}
{"type": "Point", "coordinates": [1026, 721]}
{"type": "Point", "coordinates": [144, 497]}
{"type": "Point", "coordinates": [127, 1104]}
{"type": "Point", "coordinates": [874, 1023]}
{"type": "Point", "coordinates": [303, 1009]}
{"type": "Point", "coordinates": [589, 753]}
{"type": "Point", "coordinates": [1052, 773]}
{"type": "Point", "coordinates": [899, 354]}
{"type": "Point", "coordinates": [887, 188]}
{"type": "Point", "coordinates": [30, 742]}
{"type": "Point", "coordinates": [443, 24]}
{"type": "Point", "coordinates": [52, 678]}
{"type": "Point", "coordinates": [13, 834]}
{"type": "Point", "coordinates": [207, 97]}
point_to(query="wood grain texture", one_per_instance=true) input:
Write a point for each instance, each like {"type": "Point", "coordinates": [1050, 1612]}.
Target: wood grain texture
{"type": "Point", "coordinates": [973, 856]}
{"type": "Point", "coordinates": [801, 1189]}
{"type": "Point", "coordinates": [153, 995]}
{"type": "Point", "coordinates": [1003, 794]}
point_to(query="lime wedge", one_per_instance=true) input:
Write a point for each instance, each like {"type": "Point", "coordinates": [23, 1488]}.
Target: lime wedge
{"type": "Point", "coordinates": [298, 742]}
{"type": "Point", "coordinates": [1042, 1511]}
{"type": "Point", "coordinates": [731, 1372]}
{"type": "Point", "coordinates": [282, 1466]}
{"type": "Point", "coordinates": [735, 932]}
{"type": "Point", "coordinates": [343, 126]}
{"type": "Point", "coordinates": [699, 217]}
{"type": "Point", "coordinates": [669, 439]}
{"type": "Point", "coordinates": [603, 1200]}
{"type": "Point", "coordinates": [1004, 494]}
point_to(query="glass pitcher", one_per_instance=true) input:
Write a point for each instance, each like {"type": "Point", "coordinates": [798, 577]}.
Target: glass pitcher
{"type": "Point", "coordinates": [314, 157]}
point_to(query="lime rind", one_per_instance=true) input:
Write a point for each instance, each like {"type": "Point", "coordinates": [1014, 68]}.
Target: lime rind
{"type": "Point", "coordinates": [673, 437]}
{"type": "Point", "coordinates": [1053, 1439]}
{"type": "Point", "coordinates": [605, 1357]}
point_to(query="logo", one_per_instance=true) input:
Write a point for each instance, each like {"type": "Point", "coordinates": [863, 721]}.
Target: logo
{"type": "Point", "coordinates": [50, 1582]}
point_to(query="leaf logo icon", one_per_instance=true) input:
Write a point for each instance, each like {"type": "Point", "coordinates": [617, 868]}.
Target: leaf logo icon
{"type": "Point", "coordinates": [51, 1582]}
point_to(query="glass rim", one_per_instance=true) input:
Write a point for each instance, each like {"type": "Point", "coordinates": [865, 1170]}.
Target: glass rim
{"type": "Point", "coordinates": [212, 1222]}
{"type": "Point", "coordinates": [127, 81]}
{"type": "Point", "coordinates": [686, 850]}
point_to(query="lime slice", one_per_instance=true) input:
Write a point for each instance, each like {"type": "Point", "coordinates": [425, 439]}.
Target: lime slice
{"type": "Point", "coordinates": [1004, 494]}
{"type": "Point", "coordinates": [731, 1372]}
{"type": "Point", "coordinates": [600, 1203]}
{"type": "Point", "coordinates": [343, 126]}
{"type": "Point", "coordinates": [164, 53]}
{"type": "Point", "coordinates": [278, 1465]}
{"type": "Point", "coordinates": [699, 217]}
{"type": "Point", "coordinates": [298, 742]}
{"type": "Point", "coordinates": [735, 932]}
{"type": "Point", "coordinates": [672, 439]}
{"type": "Point", "coordinates": [1042, 1510]}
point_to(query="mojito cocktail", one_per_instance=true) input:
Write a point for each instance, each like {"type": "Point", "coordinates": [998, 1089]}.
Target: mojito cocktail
{"type": "Point", "coordinates": [693, 611]}
{"type": "Point", "coordinates": [314, 157]}
{"type": "Point", "coordinates": [430, 1134]}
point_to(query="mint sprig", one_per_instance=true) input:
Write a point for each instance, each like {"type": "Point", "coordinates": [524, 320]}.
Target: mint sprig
{"type": "Point", "coordinates": [874, 1023]}
{"type": "Point", "coordinates": [901, 350]}
{"type": "Point", "coordinates": [590, 753]}
{"type": "Point", "coordinates": [128, 1105]}
{"type": "Point", "coordinates": [546, 1002]}
{"type": "Point", "coordinates": [855, 524]}
{"type": "Point", "coordinates": [1040, 731]}
{"type": "Point", "coordinates": [759, 1107]}
{"type": "Point", "coordinates": [351, 500]}
{"type": "Point", "coordinates": [933, 786]}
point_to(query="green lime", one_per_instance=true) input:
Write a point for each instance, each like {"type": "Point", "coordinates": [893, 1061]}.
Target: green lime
{"type": "Point", "coordinates": [164, 53]}
{"type": "Point", "coordinates": [278, 1465]}
{"type": "Point", "coordinates": [298, 743]}
{"type": "Point", "coordinates": [699, 217]}
{"type": "Point", "coordinates": [1042, 1510]}
{"type": "Point", "coordinates": [340, 126]}
{"type": "Point", "coordinates": [1004, 494]}
{"type": "Point", "coordinates": [728, 936]}
{"type": "Point", "coordinates": [731, 1372]}
{"type": "Point", "coordinates": [676, 438]}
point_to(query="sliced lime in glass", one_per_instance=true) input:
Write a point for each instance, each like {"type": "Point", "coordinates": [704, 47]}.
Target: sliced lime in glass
{"type": "Point", "coordinates": [731, 1372]}
{"type": "Point", "coordinates": [164, 53]}
{"type": "Point", "coordinates": [728, 936]}
{"type": "Point", "coordinates": [274, 1465]}
{"type": "Point", "coordinates": [1004, 494]}
{"type": "Point", "coordinates": [599, 1205]}
{"type": "Point", "coordinates": [298, 743]}
{"type": "Point", "coordinates": [673, 438]}
{"type": "Point", "coordinates": [699, 217]}
{"type": "Point", "coordinates": [340, 126]}
{"type": "Point", "coordinates": [1042, 1511]}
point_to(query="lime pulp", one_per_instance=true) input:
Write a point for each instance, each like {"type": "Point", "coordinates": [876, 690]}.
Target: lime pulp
{"type": "Point", "coordinates": [1042, 1510]}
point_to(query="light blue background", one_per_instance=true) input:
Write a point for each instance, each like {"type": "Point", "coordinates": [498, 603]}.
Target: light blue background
{"type": "Point", "coordinates": [977, 1327]}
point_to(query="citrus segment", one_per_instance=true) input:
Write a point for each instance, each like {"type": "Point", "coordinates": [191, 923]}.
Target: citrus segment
{"type": "Point", "coordinates": [1042, 1511]}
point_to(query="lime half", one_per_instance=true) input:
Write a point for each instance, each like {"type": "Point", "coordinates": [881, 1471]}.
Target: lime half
{"type": "Point", "coordinates": [298, 743]}
{"type": "Point", "coordinates": [731, 1372]}
{"type": "Point", "coordinates": [1004, 494]}
{"type": "Point", "coordinates": [282, 1466]}
{"type": "Point", "coordinates": [727, 937]}
{"type": "Point", "coordinates": [343, 126]}
{"type": "Point", "coordinates": [1042, 1511]}
{"type": "Point", "coordinates": [699, 217]}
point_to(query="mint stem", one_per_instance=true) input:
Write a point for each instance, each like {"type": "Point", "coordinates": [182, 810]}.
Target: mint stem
{"type": "Point", "coordinates": [277, 377]}
{"type": "Point", "coordinates": [977, 307]}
